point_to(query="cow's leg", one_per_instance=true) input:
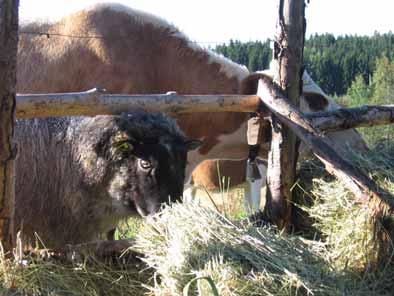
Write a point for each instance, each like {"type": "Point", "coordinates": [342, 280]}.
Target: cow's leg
{"type": "Point", "coordinates": [189, 193]}
{"type": "Point", "coordinates": [253, 188]}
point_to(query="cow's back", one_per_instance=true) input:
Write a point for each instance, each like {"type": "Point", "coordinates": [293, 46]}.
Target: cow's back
{"type": "Point", "coordinates": [100, 46]}
{"type": "Point", "coordinates": [122, 50]}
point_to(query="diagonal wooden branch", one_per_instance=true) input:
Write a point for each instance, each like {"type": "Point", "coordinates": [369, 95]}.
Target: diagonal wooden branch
{"type": "Point", "coordinates": [364, 188]}
{"type": "Point", "coordinates": [345, 118]}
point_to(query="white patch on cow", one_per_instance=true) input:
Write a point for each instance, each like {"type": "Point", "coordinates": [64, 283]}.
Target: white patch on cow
{"type": "Point", "coordinates": [310, 86]}
{"type": "Point", "coordinates": [228, 143]}
{"type": "Point", "coordinates": [189, 193]}
{"type": "Point", "coordinates": [228, 67]}
{"type": "Point", "coordinates": [194, 158]}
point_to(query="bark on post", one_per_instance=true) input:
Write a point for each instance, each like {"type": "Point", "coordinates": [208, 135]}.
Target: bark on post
{"type": "Point", "coordinates": [346, 118]}
{"type": "Point", "coordinates": [282, 158]}
{"type": "Point", "coordinates": [364, 188]}
{"type": "Point", "coordinates": [94, 102]}
{"type": "Point", "coordinates": [8, 52]}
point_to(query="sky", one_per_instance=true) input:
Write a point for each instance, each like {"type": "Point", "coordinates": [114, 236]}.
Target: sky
{"type": "Point", "coordinates": [210, 22]}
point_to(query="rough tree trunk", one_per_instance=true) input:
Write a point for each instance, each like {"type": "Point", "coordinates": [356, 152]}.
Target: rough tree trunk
{"type": "Point", "coordinates": [282, 158]}
{"type": "Point", "coordinates": [346, 118]}
{"type": "Point", "coordinates": [8, 51]}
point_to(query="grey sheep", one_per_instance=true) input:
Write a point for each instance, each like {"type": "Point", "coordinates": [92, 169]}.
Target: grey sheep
{"type": "Point", "coordinates": [77, 177]}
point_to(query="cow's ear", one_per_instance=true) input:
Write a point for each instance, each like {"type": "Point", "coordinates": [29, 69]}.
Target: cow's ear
{"type": "Point", "coordinates": [316, 101]}
{"type": "Point", "coordinates": [192, 144]}
{"type": "Point", "coordinates": [250, 83]}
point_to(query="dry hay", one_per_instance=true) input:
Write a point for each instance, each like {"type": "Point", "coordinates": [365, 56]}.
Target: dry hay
{"type": "Point", "coordinates": [357, 239]}
{"type": "Point", "coordinates": [188, 241]}
{"type": "Point", "coordinates": [192, 250]}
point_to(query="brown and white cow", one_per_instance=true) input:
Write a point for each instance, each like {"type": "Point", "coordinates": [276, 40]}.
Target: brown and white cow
{"type": "Point", "coordinates": [312, 100]}
{"type": "Point", "coordinates": [129, 51]}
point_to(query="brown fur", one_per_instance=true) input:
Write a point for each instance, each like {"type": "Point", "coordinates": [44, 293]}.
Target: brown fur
{"type": "Point", "coordinates": [134, 56]}
{"type": "Point", "coordinates": [130, 58]}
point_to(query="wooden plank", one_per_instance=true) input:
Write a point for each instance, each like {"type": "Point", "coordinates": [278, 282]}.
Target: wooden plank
{"type": "Point", "coordinates": [95, 102]}
{"type": "Point", "coordinates": [346, 118]}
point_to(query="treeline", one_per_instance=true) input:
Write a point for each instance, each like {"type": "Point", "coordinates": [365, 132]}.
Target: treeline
{"type": "Point", "coordinates": [333, 62]}
{"type": "Point", "coordinates": [378, 91]}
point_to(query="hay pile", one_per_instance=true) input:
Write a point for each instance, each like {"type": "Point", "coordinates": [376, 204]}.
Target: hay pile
{"type": "Point", "coordinates": [192, 250]}
{"type": "Point", "coordinates": [346, 256]}
{"type": "Point", "coordinates": [40, 276]}
{"type": "Point", "coordinates": [356, 240]}
{"type": "Point", "coordinates": [188, 241]}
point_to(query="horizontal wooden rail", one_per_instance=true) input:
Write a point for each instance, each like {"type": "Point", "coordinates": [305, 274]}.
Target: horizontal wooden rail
{"type": "Point", "coordinates": [345, 118]}
{"type": "Point", "coordinates": [95, 102]}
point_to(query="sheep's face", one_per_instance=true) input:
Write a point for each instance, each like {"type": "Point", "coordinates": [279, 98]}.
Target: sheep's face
{"type": "Point", "coordinates": [145, 175]}
{"type": "Point", "coordinates": [140, 171]}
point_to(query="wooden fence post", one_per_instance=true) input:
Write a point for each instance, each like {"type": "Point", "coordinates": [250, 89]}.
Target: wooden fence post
{"type": "Point", "coordinates": [8, 52]}
{"type": "Point", "coordinates": [282, 158]}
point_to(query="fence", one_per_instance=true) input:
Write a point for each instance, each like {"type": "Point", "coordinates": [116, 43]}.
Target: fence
{"type": "Point", "coordinates": [288, 52]}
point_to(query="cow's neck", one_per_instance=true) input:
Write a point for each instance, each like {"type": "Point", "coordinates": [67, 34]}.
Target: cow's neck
{"type": "Point", "coordinates": [199, 71]}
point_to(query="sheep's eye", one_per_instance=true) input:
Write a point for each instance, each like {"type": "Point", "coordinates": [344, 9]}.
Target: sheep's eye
{"type": "Point", "coordinates": [144, 164]}
{"type": "Point", "coordinates": [124, 146]}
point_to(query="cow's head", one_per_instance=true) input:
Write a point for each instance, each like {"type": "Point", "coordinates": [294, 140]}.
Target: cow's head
{"type": "Point", "coordinates": [313, 99]}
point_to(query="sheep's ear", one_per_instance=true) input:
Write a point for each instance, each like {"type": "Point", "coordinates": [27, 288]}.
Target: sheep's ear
{"type": "Point", "coordinates": [192, 144]}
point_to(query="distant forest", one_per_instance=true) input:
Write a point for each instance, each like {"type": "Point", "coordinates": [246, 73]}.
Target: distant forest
{"type": "Point", "coordinates": [333, 62]}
